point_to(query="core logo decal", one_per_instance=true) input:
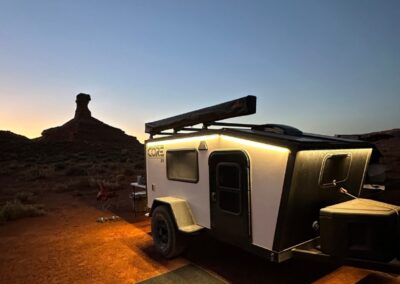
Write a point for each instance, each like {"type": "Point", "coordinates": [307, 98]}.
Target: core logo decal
{"type": "Point", "coordinates": [156, 152]}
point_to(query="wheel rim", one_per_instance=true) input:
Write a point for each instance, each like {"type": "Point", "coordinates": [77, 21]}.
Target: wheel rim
{"type": "Point", "coordinates": [162, 234]}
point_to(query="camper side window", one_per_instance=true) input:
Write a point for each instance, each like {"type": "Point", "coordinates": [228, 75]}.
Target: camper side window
{"type": "Point", "coordinates": [335, 170]}
{"type": "Point", "coordinates": [229, 187]}
{"type": "Point", "coordinates": [182, 165]}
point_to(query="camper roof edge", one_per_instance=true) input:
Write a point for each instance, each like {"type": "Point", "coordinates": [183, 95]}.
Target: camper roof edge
{"type": "Point", "coordinates": [239, 107]}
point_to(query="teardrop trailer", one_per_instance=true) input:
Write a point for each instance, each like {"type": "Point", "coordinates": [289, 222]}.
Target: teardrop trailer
{"type": "Point", "coordinates": [269, 189]}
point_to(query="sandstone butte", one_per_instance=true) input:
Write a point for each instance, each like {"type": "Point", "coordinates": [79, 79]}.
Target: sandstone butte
{"type": "Point", "coordinates": [85, 128]}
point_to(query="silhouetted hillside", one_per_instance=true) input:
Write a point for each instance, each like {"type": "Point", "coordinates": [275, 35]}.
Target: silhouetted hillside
{"type": "Point", "coordinates": [10, 137]}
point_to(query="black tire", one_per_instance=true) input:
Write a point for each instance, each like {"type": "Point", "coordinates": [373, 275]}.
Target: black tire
{"type": "Point", "coordinates": [166, 236]}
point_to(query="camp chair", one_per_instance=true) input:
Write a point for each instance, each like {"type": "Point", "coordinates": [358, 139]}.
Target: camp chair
{"type": "Point", "coordinates": [138, 192]}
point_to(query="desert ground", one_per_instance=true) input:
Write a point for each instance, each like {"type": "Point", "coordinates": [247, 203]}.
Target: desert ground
{"type": "Point", "coordinates": [67, 245]}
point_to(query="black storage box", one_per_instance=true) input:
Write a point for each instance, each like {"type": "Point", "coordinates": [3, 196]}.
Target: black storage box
{"type": "Point", "coordinates": [361, 228]}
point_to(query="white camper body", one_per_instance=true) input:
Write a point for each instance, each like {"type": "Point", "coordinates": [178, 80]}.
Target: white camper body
{"type": "Point", "coordinates": [269, 189]}
{"type": "Point", "coordinates": [259, 187]}
{"type": "Point", "coordinates": [267, 167]}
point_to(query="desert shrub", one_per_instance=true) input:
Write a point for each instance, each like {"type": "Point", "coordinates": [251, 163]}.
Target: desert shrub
{"type": "Point", "coordinates": [14, 210]}
{"type": "Point", "coordinates": [78, 193]}
{"type": "Point", "coordinates": [112, 186]}
{"type": "Point", "coordinates": [75, 171]}
{"type": "Point", "coordinates": [32, 159]}
{"type": "Point", "coordinates": [35, 173]}
{"type": "Point", "coordinates": [60, 167]}
{"type": "Point", "coordinates": [82, 154]}
{"type": "Point", "coordinates": [128, 172]}
{"type": "Point", "coordinates": [96, 170]}
{"type": "Point", "coordinates": [101, 171]}
{"type": "Point", "coordinates": [86, 166]}
{"type": "Point", "coordinates": [14, 166]}
{"type": "Point", "coordinates": [99, 156]}
{"type": "Point", "coordinates": [139, 166]}
{"type": "Point", "coordinates": [113, 167]}
{"type": "Point", "coordinates": [121, 179]}
{"type": "Point", "coordinates": [25, 196]}
{"type": "Point", "coordinates": [78, 160]}
{"type": "Point", "coordinates": [63, 158]}
{"type": "Point", "coordinates": [60, 187]}
{"type": "Point", "coordinates": [2, 219]}
{"type": "Point", "coordinates": [5, 172]}
{"type": "Point", "coordinates": [78, 184]}
{"type": "Point", "coordinates": [91, 164]}
{"type": "Point", "coordinates": [93, 182]}
{"type": "Point", "coordinates": [9, 190]}
{"type": "Point", "coordinates": [119, 184]}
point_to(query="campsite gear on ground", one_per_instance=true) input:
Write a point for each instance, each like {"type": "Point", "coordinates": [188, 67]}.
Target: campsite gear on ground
{"type": "Point", "coordinates": [107, 219]}
{"type": "Point", "coordinates": [106, 198]}
{"type": "Point", "coordinates": [141, 180]}
{"type": "Point", "coordinates": [138, 193]}
{"type": "Point", "coordinates": [261, 188]}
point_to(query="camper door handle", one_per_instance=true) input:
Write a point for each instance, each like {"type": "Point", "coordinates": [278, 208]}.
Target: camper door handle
{"type": "Point", "coordinates": [213, 196]}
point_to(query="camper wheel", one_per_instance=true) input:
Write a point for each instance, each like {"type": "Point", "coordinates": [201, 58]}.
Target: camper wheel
{"type": "Point", "coordinates": [167, 239]}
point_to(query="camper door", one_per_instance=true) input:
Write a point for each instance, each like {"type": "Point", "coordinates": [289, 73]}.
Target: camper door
{"type": "Point", "coordinates": [229, 196]}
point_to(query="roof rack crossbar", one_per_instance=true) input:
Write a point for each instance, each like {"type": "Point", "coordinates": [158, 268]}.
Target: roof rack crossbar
{"type": "Point", "coordinates": [189, 129]}
{"type": "Point", "coordinates": [215, 123]}
{"type": "Point", "coordinates": [235, 108]}
{"type": "Point", "coordinates": [163, 133]}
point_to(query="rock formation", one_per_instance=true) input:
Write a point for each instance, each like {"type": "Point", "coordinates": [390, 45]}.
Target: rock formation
{"type": "Point", "coordinates": [85, 128]}
{"type": "Point", "coordinates": [82, 110]}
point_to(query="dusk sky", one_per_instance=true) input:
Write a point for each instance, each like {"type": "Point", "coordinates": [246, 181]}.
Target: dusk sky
{"type": "Point", "coordinates": [322, 66]}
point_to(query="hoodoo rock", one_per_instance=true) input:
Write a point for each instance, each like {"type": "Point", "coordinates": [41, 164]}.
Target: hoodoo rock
{"type": "Point", "coordinates": [82, 109]}
{"type": "Point", "coordinates": [85, 128]}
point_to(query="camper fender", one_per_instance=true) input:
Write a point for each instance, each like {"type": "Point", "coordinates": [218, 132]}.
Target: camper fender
{"type": "Point", "coordinates": [181, 212]}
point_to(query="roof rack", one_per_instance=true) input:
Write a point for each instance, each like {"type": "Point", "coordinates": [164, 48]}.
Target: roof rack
{"type": "Point", "coordinates": [206, 116]}
{"type": "Point", "coordinates": [209, 117]}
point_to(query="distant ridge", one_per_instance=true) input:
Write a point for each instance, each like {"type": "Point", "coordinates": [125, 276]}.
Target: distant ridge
{"type": "Point", "coordinates": [388, 143]}
{"type": "Point", "coordinates": [11, 137]}
{"type": "Point", "coordinates": [85, 128]}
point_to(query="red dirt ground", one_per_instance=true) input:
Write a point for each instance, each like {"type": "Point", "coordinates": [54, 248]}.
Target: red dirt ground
{"type": "Point", "coordinates": [69, 246]}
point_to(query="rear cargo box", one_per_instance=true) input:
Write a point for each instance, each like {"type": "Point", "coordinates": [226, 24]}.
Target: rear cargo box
{"type": "Point", "coordinates": [361, 228]}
